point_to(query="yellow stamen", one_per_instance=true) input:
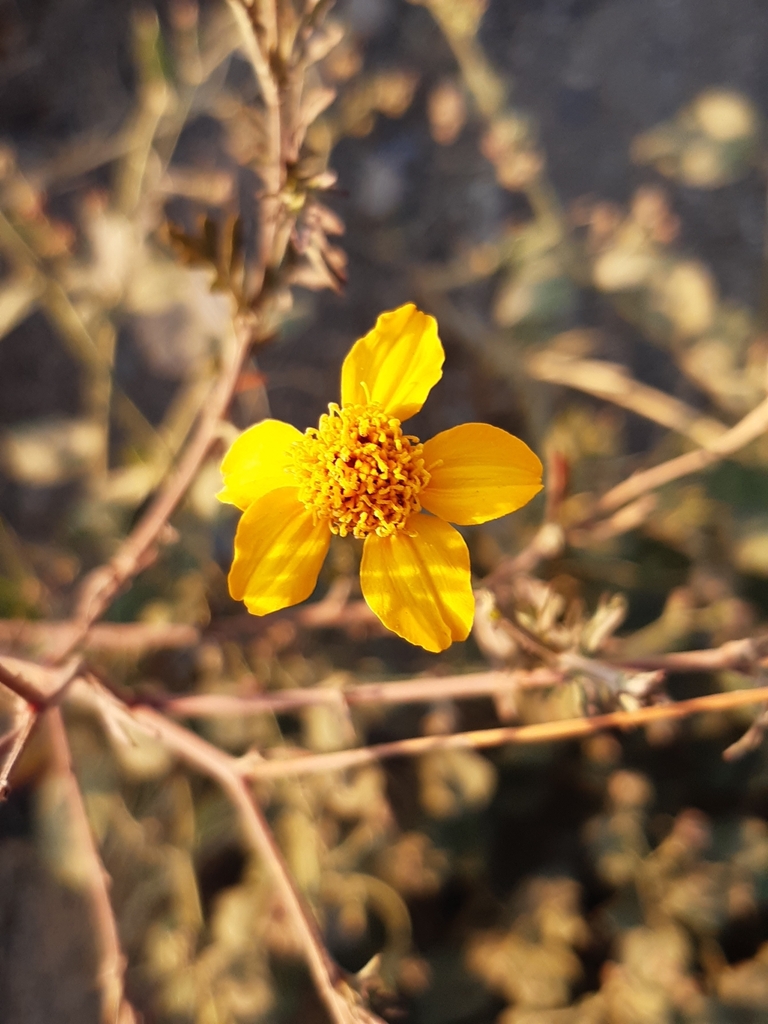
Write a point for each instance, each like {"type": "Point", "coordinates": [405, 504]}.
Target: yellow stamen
{"type": "Point", "coordinates": [358, 471]}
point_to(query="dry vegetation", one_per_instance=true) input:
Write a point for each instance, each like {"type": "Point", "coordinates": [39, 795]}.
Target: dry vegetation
{"type": "Point", "coordinates": [238, 820]}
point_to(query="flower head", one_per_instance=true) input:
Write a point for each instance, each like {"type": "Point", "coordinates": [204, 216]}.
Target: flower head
{"type": "Point", "coordinates": [357, 473]}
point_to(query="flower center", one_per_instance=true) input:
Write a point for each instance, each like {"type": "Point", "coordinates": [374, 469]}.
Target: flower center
{"type": "Point", "coordinates": [358, 470]}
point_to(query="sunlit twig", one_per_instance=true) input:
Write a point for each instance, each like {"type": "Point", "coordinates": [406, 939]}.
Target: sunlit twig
{"type": "Point", "coordinates": [481, 739]}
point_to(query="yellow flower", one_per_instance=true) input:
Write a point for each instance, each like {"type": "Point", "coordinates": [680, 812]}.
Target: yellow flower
{"type": "Point", "coordinates": [358, 473]}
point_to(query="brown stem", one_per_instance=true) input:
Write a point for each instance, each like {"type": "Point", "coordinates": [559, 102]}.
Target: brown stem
{"type": "Point", "coordinates": [115, 1009]}
{"type": "Point", "coordinates": [546, 732]}
{"type": "Point", "coordinates": [210, 761]}
{"type": "Point", "coordinates": [272, 170]}
{"type": "Point", "coordinates": [354, 616]}
{"type": "Point", "coordinates": [434, 688]}
{"type": "Point", "coordinates": [136, 637]}
{"type": "Point", "coordinates": [229, 773]}
{"type": "Point", "coordinates": [17, 740]}
{"type": "Point", "coordinates": [613, 383]}
{"type": "Point", "coordinates": [37, 685]}
{"type": "Point", "coordinates": [735, 654]}
{"type": "Point", "coordinates": [543, 546]}
{"type": "Point", "coordinates": [746, 430]}
{"type": "Point", "coordinates": [138, 549]}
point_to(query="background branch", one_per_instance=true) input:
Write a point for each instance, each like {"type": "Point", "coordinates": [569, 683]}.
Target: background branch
{"type": "Point", "coordinates": [613, 383]}
{"type": "Point", "coordinates": [139, 548]}
{"type": "Point", "coordinates": [110, 976]}
{"type": "Point", "coordinates": [481, 739]}
{"type": "Point", "coordinates": [408, 691]}
{"type": "Point", "coordinates": [752, 426]}
{"type": "Point", "coordinates": [222, 768]}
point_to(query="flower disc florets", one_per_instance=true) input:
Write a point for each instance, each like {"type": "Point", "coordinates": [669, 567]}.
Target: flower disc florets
{"type": "Point", "coordinates": [358, 471]}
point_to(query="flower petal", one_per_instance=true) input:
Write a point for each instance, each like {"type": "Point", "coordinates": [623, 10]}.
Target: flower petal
{"type": "Point", "coordinates": [256, 463]}
{"type": "Point", "coordinates": [399, 362]}
{"type": "Point", "coordinates": [417, 581]}
{"type": "Point", "coordinates": [279, 552]}
{"type": "Point", "coordinates": [478, 472]}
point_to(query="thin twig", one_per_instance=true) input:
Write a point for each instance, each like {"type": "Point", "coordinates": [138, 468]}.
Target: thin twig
{"type": "Point", "coordinates": [39, 686]}
{"type": "Point", "coordinates": [734, 654]}
{"type": "Point", "coordinates": [138, 549]}
{"type": "Point", "coordinates": [746, 430]}
{"type": "Point", "coordinates": [53, 296]}
{"type": "Point", "coordinates": [354, 617]}
{"type": "Point", "coordinates": [136, 637]}
{"type": "Point", "coordinates": [203, 757]}
{"type": "Point", "coordinates": [613, 383]}
{"type": "Point", "coordinates": [18, 739]}
{"type": "Point", "coordinates": [94, 697]}
{"type": "Point", "coordinates": [115, 1009]}
{"type": "Point", "coordinates": [272, 170]}
{"type": "Point", "coordinates": [628, 517]}
{"type": "Point", "coordinates": [433, 688]}
{"type": "Point", "coordinates": [223, 768]}
{"type": "Point", "coordinates": [256, 767]}
{"type": "Point", "coordinates": [550, 541]}
{"type": "Point", "coordinates": [751, 740]}
{"type": "Point", "coordinates": [332, 612]}
{"type": "Point", "coordinates": [151, 102]}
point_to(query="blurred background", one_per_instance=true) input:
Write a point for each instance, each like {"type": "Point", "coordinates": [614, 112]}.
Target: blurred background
{"type": "Point", "coordinates": [576, 190]}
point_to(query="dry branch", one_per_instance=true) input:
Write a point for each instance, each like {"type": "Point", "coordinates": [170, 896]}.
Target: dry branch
{"type": "Point", "coordinates": [480, 739]}
{"type": "Point", "coordinates": [134, 637]}
{"type": "Point", "coordinates": [207, 759]}
{"type": "Point", "coordinates": [139, 548]}
{"type": "Point", "coordinates": [622, 508]}
{"type": "Point", "coordinates": [734, 654]}
{"type": "Point", "coordinates": [139, 637]}
{"type": "Point", "coordinates": [221, 767]}
{"type": "Point", "coordinates": [40, 688]}
{"type": "Point", "coordinates": [613, 383]}
{"type": "Point", "coordinates": [16, 739]}
{"type": "Point", "coordinates": [230, 774]}
{"type": "Point", "coordinates": [433, 688]}
{"type": "Point", "coordinates": [746, 430]}
{"type": "Point", "coordinates": [115, 1009]}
